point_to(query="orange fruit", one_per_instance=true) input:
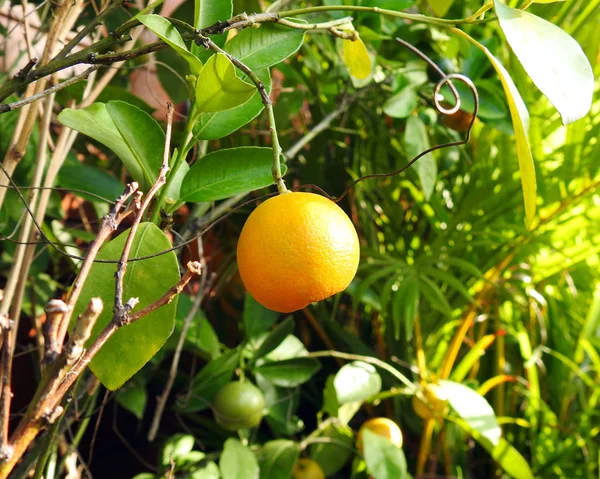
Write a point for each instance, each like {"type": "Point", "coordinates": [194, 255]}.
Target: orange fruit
{"type": "Point", "coordinates": [307, 469]}
{"type": "Point", "coordinates": [436, 405]}
{"type": "Point", "coordinates": [295, 249]}
{"type": "Point", "coordinates": [383, 427]}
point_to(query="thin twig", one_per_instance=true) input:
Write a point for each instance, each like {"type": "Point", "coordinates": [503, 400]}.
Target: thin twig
{"type": "Point", "coordinates": [163, 398]}
{"type": "Point", "coordinates": [53, 89]}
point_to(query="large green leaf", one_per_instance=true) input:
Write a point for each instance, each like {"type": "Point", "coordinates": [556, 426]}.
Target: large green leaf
{"type": "Point", "coordinates": [289, 373]}
{"type": "Point", "coordinates": [218, 87]}
{"type": "Point", "coordinates": [277, 459]}
{"type": "Point", "coordinates": [356, 381]}
{"type": "Point", "coordinates": [237, 461]}
{"type": "Point", "coordinates": [141, 149]}
{"type": "Point", "coordinates": [228, 172]}
{"type": "Point", "coordinates": [552, 58]}
{"type": "Point", "coordinates": [142, 134]}
{"type": "Point", "coordinates": [266, 46]}
{"type": "Point", "coordinates": [257, 318]}
{"type": "Point", "coordinates": [520, 120]}
{"type": "Point", "coordinates": [76, 175]}
{"type": "Point", "coordinates": [207, 13]}
{"type": "Point", "coordinates": [416, 140]}
{"type": "Point", "coordinates": [215, 125]}
{"type": "Point", "coordinates": [169, 34]}
{"type": "Point", "coordinates": [334, 449]}
{"type": "Point", "coordinates": [478, 419]}
{"type": "Point", "coordinates": [384, 460]}
{"type": "Point", "coordinates": [210, 379]}
{"type": "Point", "coordinates": [133, 345]}
{"type": "Point", "coordinates": [275, 337]}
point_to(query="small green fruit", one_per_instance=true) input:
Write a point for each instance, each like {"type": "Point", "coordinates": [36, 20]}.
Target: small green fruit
{"type": "Point", "coordinates": [239, 405]}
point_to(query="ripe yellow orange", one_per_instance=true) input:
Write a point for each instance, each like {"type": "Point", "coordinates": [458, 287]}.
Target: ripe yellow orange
{"type": "Point", "coordinates": [383, 427]}
{"type": "Point", "coordinates": [307, 469]}
{"type": "Point", "coordinates": [295, 249]}
{"type": "Point", "coordinates": [436, 405]}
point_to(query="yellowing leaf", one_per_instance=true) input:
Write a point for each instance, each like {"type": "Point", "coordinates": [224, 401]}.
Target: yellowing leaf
{"type": "Point", "coordinates": [218, 87]}
{"type": "Point", "coordinates": [356, 58]}
{"type": "Point", "coordinates": [552, 58]}
{"type": "Point", "coordinates": [520, 120]}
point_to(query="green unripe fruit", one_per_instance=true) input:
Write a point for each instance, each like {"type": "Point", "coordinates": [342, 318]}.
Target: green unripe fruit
{"type": "Point", "coordinates": [239, 405]}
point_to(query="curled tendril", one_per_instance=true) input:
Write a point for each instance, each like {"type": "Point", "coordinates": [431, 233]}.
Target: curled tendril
{"type": "Point", "coordinates": [446, 79]}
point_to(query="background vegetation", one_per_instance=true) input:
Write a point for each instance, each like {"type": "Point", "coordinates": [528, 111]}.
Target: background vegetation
{"type": "Point", "coordinates": [452, 284]}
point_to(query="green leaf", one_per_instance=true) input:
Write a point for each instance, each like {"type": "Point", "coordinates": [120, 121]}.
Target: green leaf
{"type": "Point", "coordinates": [257, 318]}
{"type": "Point", "coordinates": [431, 291]}
{"type": "Point", "coordinates": [275, 338]}
{"type": "Point", "coordinates": [406, 302]}
{"type": "Point", "coordinates": [237, 461]}
{"type": "Point", "coordinates": [552, 58]}
{"type": "Point", "coordinates": [210, 471]}
{"type": "Point", "coordinates": [201, 334]}
{"type": "Point", "coordinates": [520, 120]}
{"type": "Point", "coordinates": [416, 140]}
{"type": "Point", "coordinates": [330, 401]}
{"type": "Point", "coordinates": [384, 460]}
{"type": "Point", "coordinates": [131, 346]}
{"type": "Point", "coordinates": [289, 373]}
{"type": "Point", "coordinates": [266, 46]}
{"type": "Point", "coordinates": [215, 125]}
{"type": "Point", "coordinates": [356, 381]}
{"type": "Point", "coordinates": [402, 104]}
{"type": "Point", "coordinates": [142, 134]}
{"type": "Point", "coordinates": [282, 404]}
{"type": "Point", "coordinates": [141, 130]}
{"type": "Point", "coordinates": [218, 87]}
{"type": "Point", "coordinates": [133, 397]}
{"type": "Point", "coordinates": [277, 459]}
{"type": "Point", "coordinates": [76, 175]}
{"type": "Point", "coordinates": [225, 173]}
{"type": "Point", "coordinates": [440, 7]}
{"type": "Point", "coordinates": [165, 30]}
{"type": "Point", "coordinates": [174, 191]}
{"type": "Point", "coordinates": [478, 420]}
{"type": "Point", "coordinates": [473, 408]}
{"type": "Point", "coordinates": [211, 378]}
{"type": "Point", "coordinates": [177, 446]}
{"type": "Point", "coordinates": [207, 13]}
{"type": "Point", "coordinates": [333, 453]}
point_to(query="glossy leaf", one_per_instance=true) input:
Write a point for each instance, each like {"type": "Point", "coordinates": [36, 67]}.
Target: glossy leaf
{"type": "Point", "coordinates": [169, 34]}
{"type": "Point", "coordinates": [416, 140]}
{"type": "Point", "coordinates": [290, 347]}
{"type": "Point", "coordinates": [275, 337]}
{"type": "Point", "coordinates": [76, 175]}
{"type": "Point", "coordinates": [335, 449]}
{"type": "Point", "coordinates": [281, 404]}
{"type": "Point", "coordinates": [384, 460]}
{"type": "Point", "coordinates": [136, 343]}
{"type": "Point", "coordinates": [95, 122]}
{"type": "Point", "coordinates": [237, 461]}
{"type": "Point", "coordinates": [266, 46]}
{"type": "Point", "coordinates": [402, 104]}
{"type": "Point", "coordinates": [206, 13]}
{"type": "Point", "coordinates": [552, 58]}
{"type": "Point", "coordinates": [215, 125]}
{"type": "Point", "coordinates": [176, 447]}
{"type": "Point", "coordinates": [356, 58]}
{"type": "Point", "coordinates": [133, 397]}
{"type": "Point", "coordinates": [257, 318]}
{"type": "Point", "coordinates": [356, 381]}
{"type": "Point", "coordinates": [520, 120]}
{"type": "Point", "coordinates": [277, 459]}
{"type": "Point", "coordinates": [228, 172]}
{"type": "Point", "coordinates": [174, 191]}
{"type": "Point", "coordinates": [210, 471]}
{"type": "Point", "coordinates": [210, 379]}
{"type": "Point", "coordinates": [218, 87]}
{"type": "Point", "coordinates": [142, 134]}
{"type": "Point", "coordinates": [289, 373]}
